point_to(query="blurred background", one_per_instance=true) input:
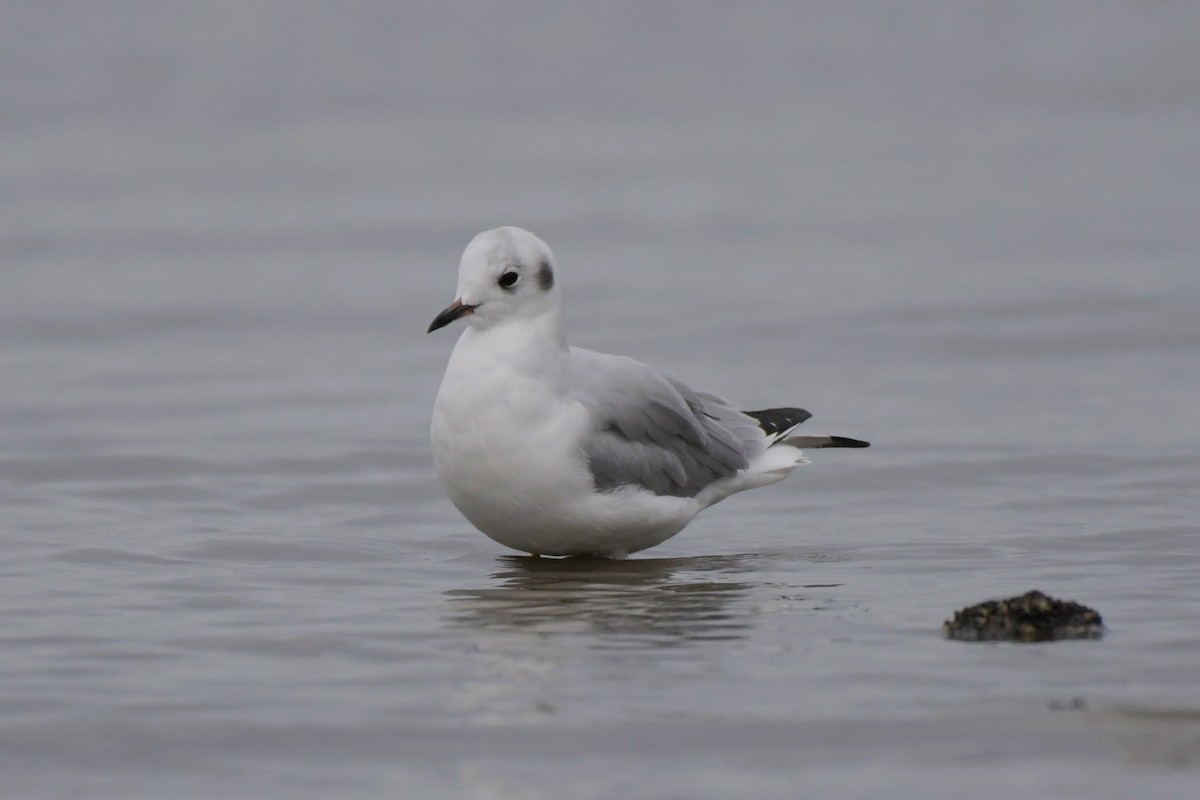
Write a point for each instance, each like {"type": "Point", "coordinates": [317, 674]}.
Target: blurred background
{"type": "Point", "coordinates": [966, 232]}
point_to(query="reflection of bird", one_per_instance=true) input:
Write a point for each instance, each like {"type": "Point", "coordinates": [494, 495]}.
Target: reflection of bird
{"type": "Point", "coordinates": [552, 449]}
{"type": "Point", "coordinates": [641, 600]}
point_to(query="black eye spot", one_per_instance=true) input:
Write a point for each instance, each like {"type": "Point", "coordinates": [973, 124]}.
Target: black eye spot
{"type": "Point", "coordinates": [545, 276]}
{"type": "Point", "coordinates": [508, 280]}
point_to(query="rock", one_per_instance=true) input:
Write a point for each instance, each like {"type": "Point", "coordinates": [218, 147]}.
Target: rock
{"type": "Point", "coordinates": [1032, 617]}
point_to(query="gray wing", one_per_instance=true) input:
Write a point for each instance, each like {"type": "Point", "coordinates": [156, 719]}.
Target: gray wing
{"type": "Point", "coordinates": [652, 431]}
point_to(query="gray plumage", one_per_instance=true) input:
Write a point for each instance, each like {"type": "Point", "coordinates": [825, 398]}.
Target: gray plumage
{"type": "Point", "coordinates": [651, 431]}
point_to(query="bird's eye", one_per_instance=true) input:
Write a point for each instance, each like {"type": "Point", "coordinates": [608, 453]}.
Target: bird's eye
{"type": "Point", "coordinates": [508, 279]}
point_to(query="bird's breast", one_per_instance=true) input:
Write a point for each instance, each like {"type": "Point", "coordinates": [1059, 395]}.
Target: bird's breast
{"type": "Point", "coordinates": [503, 441]}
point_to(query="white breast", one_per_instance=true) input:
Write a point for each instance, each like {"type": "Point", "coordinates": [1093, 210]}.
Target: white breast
{"type": "Point", "coordinates": [507, 447]}
{"type": "Point", "coordinates": [505, 442]}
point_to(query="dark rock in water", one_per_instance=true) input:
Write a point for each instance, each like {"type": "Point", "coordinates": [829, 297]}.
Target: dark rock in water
{"type": "Point", "coordinates": [1032, 617]}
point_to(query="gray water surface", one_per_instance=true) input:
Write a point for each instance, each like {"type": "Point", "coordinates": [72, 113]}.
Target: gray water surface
{"type": "Point", "coordinates": [967, 234]}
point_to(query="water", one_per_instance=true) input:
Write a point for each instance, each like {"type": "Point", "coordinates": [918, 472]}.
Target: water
{"type": "Point", "coordinates": [966, 234]}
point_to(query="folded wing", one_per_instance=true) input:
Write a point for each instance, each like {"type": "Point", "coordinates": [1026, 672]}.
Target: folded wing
{"type": "Point", "coordinates": [651, 431]}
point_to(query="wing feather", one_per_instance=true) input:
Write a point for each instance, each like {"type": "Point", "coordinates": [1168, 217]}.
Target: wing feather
{"type": "Point", "coordinates": [652, 431]}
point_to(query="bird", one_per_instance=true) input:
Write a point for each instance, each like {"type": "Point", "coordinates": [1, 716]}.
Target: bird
{"type": "Point", "coordinates": [554, 450]}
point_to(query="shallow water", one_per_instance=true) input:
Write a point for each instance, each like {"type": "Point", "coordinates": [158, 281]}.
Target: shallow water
{"type": "Point", "coordinates": [967, 235]}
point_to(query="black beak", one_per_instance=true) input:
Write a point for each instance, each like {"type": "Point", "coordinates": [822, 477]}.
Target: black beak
{"type": "Point", "coordinates": [454, 311]}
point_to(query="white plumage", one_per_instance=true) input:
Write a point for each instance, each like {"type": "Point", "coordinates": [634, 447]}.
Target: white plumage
{"type": "Point", "coordinates": [555, 450]}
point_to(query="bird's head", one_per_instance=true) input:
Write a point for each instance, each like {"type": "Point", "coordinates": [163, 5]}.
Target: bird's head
{"type": "Point", "coordinates": [505, 274]}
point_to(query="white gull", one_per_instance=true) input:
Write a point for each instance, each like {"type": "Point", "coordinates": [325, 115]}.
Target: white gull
{"type": "Point", "coordinates": [555, 450]}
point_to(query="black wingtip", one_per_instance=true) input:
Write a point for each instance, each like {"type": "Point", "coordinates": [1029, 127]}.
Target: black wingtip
{"type": "Point", "coordinates": [843, 441]}
{"type": "Point", "coordinates": [777, 420]}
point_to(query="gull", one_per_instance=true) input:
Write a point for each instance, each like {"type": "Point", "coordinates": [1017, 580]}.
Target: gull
{"type": "Point", "coordinates": [555, 450]}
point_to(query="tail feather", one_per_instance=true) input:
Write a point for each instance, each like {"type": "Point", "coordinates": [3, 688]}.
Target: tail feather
{"type": "Point", "coordinates": [769, 466]}
{"type": "Point", "coordinates": [778, 424]}
{"type": "Point", "coordinates": [780, 453]}
{"type": "Point", "coordinates": [815, 442]}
